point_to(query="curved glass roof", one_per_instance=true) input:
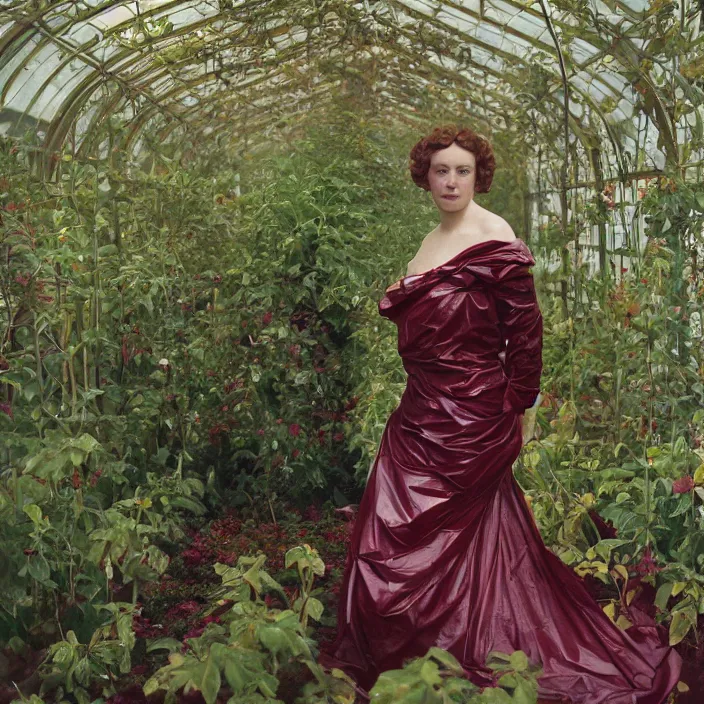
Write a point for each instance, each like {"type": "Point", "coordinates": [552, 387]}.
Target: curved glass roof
{"type": "Point", "coordinates": [244, 67]}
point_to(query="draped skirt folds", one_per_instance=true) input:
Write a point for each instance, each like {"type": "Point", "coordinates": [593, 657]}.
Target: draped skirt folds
{"type": "Point", "coordinates": [451, 557]}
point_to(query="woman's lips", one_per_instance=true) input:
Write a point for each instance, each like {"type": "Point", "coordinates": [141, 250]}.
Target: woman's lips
{"type": "Point", "coordinates": [448, 197]}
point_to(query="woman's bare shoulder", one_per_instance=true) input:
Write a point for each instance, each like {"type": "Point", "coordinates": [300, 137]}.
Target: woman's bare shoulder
{"type": "Point", "coordinates": [499, 229]}
{"type": "Point", "coordinates": [490, 227]}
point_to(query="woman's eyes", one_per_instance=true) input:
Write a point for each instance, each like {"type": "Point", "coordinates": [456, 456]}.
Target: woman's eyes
{"type": "Point", "coordinates": [462, 171]}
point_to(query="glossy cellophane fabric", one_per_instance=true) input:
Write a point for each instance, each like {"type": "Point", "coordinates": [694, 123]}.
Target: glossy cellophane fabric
{"type": "Point", "coordinates": [444, 550]}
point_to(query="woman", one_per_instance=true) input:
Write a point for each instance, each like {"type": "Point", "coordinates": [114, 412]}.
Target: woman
{"type": "Point", "coordinates": [444, 550]}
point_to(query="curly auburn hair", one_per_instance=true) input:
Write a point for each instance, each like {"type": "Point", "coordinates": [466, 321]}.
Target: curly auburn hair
{"type": "Point", "coordinates": [442, 137]}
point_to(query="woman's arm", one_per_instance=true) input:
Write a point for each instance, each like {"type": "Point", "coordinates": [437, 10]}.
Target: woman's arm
{"type": "Point", "coordinates": [521, 325]}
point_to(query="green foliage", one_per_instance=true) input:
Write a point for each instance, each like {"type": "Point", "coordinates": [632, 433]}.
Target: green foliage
{"type": "Point", "coordinates": [626, 442]}
{"type": "Point", "coordinates": [71, 668]}
{"type": "Point", "coordinates": [438, 678]}
{"type": "Point", "coordinates": [248, 647]}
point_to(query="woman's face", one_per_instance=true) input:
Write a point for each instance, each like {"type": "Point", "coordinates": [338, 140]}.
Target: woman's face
{"type": "Point", "coordinates": [451, 177]}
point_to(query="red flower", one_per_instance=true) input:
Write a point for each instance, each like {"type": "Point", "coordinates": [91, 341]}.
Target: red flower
{"type": "Point", "coordinates": [683, 485]}
{"type": "Point", "coordinates": [260, 431]}
{"type": "Point", "coordinates": [215, 431]}
{"type": "Point", "coordinates": [338, 437]}
{"type": "Point", "coordinates": [232, 385]}
{"type": "Point", "coordinates": [6, 408]}
{"type": "Point", "coordinates": [267, 318]}
{"type": "Point", "coordinates": [183, 610]}
{"type": "Point", "coordinates": [195, 632]}
{"type": "Point", "coordinates": [294, 429]}
{"type": "Point", "coordinates": [226, 557]}
{"type": "Point", "coordinates": [143, 627]}
{"type": "Point", "coordinates": [647, 564]}
{"type": "Point", "coordinates": [279, 421]}
{"type": "Point", "coordinates": [296, 452]}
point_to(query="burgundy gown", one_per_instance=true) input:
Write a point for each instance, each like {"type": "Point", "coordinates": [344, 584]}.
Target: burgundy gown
{"type": "Point", "coordinates": [444, 550]}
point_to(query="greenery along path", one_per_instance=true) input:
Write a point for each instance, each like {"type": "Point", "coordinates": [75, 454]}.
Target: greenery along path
{"type": "Point", "coordinates": [277, 620]}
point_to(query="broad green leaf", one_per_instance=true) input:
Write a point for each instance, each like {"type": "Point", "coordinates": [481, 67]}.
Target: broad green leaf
{"type": "Point", "coordinates": [430, 674]}
{"type": "Point", "coordinates": [170, 644]}
{"type": "Point", "coordinates": [445, 658]}
{"type": "Point", "coordinates": [314, 608]}
{"type": "Point", "coordinates": [34, 512]}
{"type": "Point", "coordinates": [663, 595]}
{"type": "Point", "coordinates": [680, 625]}
{"type": "Point", "coordinates": [209, 683]}
{"type": "Point", "coordinates": [38, 568]}
{"type": "Point", "coordinates": [519, 661]}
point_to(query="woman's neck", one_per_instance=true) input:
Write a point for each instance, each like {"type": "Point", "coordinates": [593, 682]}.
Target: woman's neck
{"type": "Point", "coordinates": [453, 222]}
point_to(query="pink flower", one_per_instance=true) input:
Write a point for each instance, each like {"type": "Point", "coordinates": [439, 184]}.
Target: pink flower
{"type": "Point", "coordinates": [294, 429]}
{"type": "Point", "coordinates": [647, 564]}
{"type": "Point", "coordinates": [683, 485]}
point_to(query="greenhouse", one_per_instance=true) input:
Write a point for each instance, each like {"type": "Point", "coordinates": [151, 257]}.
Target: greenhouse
{"type": "Point", "coordinates": [351, 351]}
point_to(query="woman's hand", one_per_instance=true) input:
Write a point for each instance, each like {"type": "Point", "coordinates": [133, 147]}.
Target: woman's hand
{"type": "Point", "coordinates": [527, 420]}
